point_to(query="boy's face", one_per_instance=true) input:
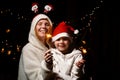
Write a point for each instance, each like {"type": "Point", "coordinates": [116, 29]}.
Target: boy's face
{"type": "Point", "coordinates": [62, 44]}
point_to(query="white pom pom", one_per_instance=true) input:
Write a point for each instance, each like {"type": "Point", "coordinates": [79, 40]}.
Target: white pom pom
{"type": "Point", "coordinates": [34, 7]}
{"type": "Point", "coordinates": [48, 8]}
{"type": "Point", "coordinates": [76, 31]}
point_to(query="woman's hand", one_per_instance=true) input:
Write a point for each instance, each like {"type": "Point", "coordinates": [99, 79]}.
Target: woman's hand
{"type": "Point", "coordinates": [48, 57]}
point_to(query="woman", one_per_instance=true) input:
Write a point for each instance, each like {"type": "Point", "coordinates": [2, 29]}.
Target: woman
{"type": "Point", "coordinates": [33, 52]}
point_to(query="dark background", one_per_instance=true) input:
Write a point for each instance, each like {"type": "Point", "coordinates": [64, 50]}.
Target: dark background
{"type": "Point", "coordinates": [103, 41]}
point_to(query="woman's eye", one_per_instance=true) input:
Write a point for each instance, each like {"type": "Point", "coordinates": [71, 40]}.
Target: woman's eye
{"type": "Point", "coordinates": [47, 24]}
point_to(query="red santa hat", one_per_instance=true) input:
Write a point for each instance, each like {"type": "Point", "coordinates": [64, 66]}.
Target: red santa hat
{"type": "Point", "coordinates": [62, 30]}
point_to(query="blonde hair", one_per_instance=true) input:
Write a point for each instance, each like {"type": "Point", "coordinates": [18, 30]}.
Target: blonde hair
{"type": "Point", "coordinates": [48, 39]}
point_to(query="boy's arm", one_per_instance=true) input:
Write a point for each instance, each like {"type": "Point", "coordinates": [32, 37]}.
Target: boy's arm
{"type": "Point", "coordinates": [77, 69]}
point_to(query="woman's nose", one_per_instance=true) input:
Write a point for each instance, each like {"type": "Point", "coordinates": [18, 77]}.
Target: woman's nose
{"type": "Point", "coordinates": [43, 26]}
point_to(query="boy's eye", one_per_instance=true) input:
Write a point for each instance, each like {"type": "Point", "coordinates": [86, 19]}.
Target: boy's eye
{"type": "Point", "coordinates": [58, 39]}
{"type": "Point", "coordinates": [65, 38]}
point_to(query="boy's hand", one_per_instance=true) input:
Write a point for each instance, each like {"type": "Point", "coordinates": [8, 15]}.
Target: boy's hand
{"type": "Point", "coordinates": [80, 63]}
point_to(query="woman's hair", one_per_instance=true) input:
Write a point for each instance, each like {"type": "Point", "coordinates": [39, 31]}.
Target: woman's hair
{"type": "Point", "coordinates": [49, 36]}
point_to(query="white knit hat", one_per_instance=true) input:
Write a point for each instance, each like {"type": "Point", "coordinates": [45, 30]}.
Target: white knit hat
{"type": "Point", "coordinates": [39, 17]}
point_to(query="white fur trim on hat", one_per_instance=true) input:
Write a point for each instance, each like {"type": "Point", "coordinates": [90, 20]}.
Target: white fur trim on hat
{"type": "Point", "coordinates": [64, 34]}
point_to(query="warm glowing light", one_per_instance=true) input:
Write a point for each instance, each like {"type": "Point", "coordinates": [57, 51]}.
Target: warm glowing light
{"type": "Point", "coordinates": [84, 42]}
{"type": "Point", "coordinates": [18, 49]}
{"type": "Point", "coordinates": [84, 51]}
{"type": "Point", "coordinates": [9, 52]}
{"type": "Point", "coordinates": [48, 35]}
{"type": "Point", "coordinates": [2, 50]}
{"type": "Point", "coordinates": [8, 30]}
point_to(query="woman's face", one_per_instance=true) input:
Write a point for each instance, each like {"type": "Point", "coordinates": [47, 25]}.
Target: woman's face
{"type": "Point", "coordinates": [42, 28]}
{"type": "Point", "coordinates": [62, 44]}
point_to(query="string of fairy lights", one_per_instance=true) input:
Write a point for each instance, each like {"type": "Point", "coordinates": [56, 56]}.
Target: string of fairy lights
{"type": "Point", "coordinates": [12, 18]}
{"type": "Point", "coordinates": [87, 22]}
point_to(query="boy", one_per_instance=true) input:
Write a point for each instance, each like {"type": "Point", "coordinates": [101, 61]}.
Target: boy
{"type": "Point", "coordinates": [64, 60]}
